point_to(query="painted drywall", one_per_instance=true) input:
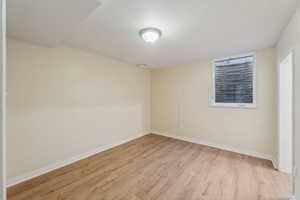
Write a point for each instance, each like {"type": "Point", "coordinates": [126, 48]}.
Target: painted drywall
{"type": "Point", "coordinates": [63, 102]}
{"type": "Point", "coordinates": [290, 40]}
{"type": "Point", "coordinates": [181, 106]}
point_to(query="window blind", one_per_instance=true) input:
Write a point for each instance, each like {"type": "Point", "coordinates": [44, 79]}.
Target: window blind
{"type": "Point", "coordinates": [234, 80]}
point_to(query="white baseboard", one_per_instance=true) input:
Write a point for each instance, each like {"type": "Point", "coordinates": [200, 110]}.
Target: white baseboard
{"type": "Point", "coordinates": [60, 164]}
{"type": "Point", "coordinates": [219, 146]}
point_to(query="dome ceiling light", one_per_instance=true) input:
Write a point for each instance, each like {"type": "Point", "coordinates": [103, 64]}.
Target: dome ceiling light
{"type": "Point", "coordinates": [150, 35]}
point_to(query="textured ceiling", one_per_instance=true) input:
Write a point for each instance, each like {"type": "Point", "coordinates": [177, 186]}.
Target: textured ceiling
{"type": "Point", "coordinates": [191, 29]}
{"type": "Point", "coordinates": [46, 22]}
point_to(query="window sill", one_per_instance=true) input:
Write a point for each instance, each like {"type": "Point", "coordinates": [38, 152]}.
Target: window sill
{"type": "Point", "coordinates": [234, 105]}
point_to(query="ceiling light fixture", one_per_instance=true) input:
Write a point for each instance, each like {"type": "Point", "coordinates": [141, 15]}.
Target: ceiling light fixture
{"type": "Point", "coordinates": [150, 34]}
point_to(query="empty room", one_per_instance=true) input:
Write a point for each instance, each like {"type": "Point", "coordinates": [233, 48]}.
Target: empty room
{"type": "Point", "coordinates": [150, 100]}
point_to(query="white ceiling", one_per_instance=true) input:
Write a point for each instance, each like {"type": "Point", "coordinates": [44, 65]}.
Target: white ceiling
{"type": "Point", "coordinates": [46, 22]}
{"type": "Point", "coordinates": [191, 29]}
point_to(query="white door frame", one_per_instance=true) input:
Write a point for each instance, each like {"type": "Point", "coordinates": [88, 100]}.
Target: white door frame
{"type": "Point", "coordinates": [3, 100]}
{"type": "Point", "coordinates": [280, 160]}
{"type": "Point", "coordinates": [294, 172]}
{"type": "Point", "coordinates": [292, 53]}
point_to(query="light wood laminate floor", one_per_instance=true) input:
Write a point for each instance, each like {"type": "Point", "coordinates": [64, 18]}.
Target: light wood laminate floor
{"type": "Point", "coordinates": [156, 167]}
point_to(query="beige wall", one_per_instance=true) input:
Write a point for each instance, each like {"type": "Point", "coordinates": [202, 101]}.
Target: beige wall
{"type": "Point", "coordinates": [290, 40]}
{"type": "Point", "coordinates": [63, 102]}
{"type": "Point", "coordinates": [181, 106]}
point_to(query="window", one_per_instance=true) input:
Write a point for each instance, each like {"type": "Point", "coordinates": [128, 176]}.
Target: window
{"type": "Point", "coordinates": [234, 82]}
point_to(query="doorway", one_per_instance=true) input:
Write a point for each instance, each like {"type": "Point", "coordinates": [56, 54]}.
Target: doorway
{"type": "Point", "coordinates": [285, 156]}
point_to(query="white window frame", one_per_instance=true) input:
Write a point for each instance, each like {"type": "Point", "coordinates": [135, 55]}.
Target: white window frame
{"type": "Point", "coordinates": [234, 105]}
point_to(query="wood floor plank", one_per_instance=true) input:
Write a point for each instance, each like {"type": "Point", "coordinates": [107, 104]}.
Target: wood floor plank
{"type": "Point", "coordinates": [158, 168]}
